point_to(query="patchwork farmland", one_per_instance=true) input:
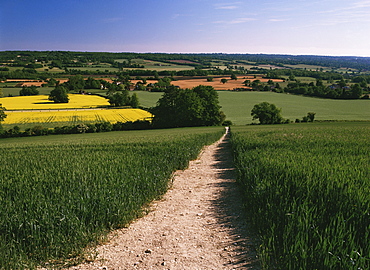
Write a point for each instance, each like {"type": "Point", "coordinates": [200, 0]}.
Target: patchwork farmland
{"type": "Point", "coordinates": [304, 184]}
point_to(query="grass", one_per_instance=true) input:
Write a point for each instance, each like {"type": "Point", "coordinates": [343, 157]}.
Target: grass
{"type": "Point", "coordinates": [156, 65]}
{"type": "Point", "coordinates": [307, 192]}
{"type": "Point", "coordinates": [99, 68]}
{"type": "Point", "coordinates": [15, 91]}
{"type": "Point", "coordinates": [148, 99]}
{"type": "Point", "coordinates": [238, 105]}
{"type": "Point", "coordinates": [59, 194]}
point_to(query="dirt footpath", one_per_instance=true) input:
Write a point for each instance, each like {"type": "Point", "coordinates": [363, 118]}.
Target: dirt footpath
{"type": "Point", "coordinates": [198, 224]}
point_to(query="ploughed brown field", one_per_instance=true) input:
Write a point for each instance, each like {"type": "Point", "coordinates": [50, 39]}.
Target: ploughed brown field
{"type": "Point", "coordinates": [181, 82]}
{"type": "Point", "coordinates": [218, 85]}
{"type": "Point", "coordinates": [182, 61]}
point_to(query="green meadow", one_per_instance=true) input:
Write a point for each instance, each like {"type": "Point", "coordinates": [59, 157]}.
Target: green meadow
{"type": "Point", "coordinates": [238, 105]}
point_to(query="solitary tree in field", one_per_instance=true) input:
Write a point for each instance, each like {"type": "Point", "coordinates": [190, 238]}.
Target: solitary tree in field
{"type": "Point", "coordinates": [224, 80]}
{"type": "Point", "coordinates": [59, 94]}
{"type": "Point", "coordinates": [311, 116]}
{"type": "Point", "coordinates": [267, 113]}
{"type": "Point", "coordinates": [188, 107]}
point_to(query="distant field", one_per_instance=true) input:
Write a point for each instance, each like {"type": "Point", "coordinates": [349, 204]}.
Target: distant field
{"type": "Point", "coordinates": [97, 68]}
{"type": "Point", "coordinates": [315, 67]}
{"type": "Point", "coordinates": [55, 118]}
{"type": "Point", "coordinates": [49, 114]}
{"type": "Point", "coordinates": [218, 85]}
{"type": "Point", "coordinates": [41, 102]}
{"type": "Point", "coordinates": [156, 65]}
{"type": "Point", "coordinates": [238, 105]}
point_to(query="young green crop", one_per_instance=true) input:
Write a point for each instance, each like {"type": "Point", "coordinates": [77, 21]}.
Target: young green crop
{"type": "Point", "coordinates": [238, 105]}
{"type": "Point", "coordinates": [307, 191]}
{"type": "Point", "coordinates": [62, 193]}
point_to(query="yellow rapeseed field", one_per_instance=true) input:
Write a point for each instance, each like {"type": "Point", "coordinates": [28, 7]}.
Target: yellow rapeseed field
{"type": "Point", "coordinates": [24, 110]}
{"type": "Point", "coordinates": [41, 102]}
{"type": "Point", "coordinates": [73, 117]}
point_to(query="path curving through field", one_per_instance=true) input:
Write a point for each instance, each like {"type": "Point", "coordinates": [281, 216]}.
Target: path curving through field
{"type": "Point", "coordinates": [198, 224]}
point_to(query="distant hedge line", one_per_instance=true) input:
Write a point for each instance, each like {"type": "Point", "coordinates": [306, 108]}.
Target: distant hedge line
{"type": "Point", "coordinates": [80, 128]}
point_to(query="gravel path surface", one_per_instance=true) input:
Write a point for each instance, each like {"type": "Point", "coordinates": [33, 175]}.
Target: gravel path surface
{"type": "Point", "coordinates": [198, 224]}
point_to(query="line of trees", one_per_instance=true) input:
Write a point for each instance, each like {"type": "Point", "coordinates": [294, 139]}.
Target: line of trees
{"type": "Point", "coordinates": [123, 98]}
{"type": "Point", "coordinates": [29, 91]}
{"type": "Point", "coordinates": [338, 90]}
{"type": "Point", "coordinates": [67, 58]}
{"type": "Point", "coordinates": [76, 129]}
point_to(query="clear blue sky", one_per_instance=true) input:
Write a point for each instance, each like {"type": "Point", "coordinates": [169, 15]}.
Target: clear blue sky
{"type": "Point", "coordinates": [325, 27]}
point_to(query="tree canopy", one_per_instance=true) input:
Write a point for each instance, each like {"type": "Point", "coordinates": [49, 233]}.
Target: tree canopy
{"type": "Point", "coordinates": [134, 101]}
{"type": "Point", "coordinates": [267, 113]}
{"type": "Point", "coordinates": [188, 107]}
{"type": "Point", "coordinates": [28, 91]}
{"type": "Point", "coordinates": [59, 94]}
{"type": "Point", "coordinates": [2, 114]}
{"type": "Point", "coordinates": [120, 98]}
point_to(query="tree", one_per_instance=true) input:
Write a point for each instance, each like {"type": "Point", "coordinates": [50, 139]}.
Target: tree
{"type": "Point", "coordinates": [2, 115]}
{"type": "Point", "coordinates": [291, 77]}
{"type": "Point", "coordinates": [162, 85]}
{"type": "Point", "coordinates": [121, 98]}
{"type": "Point", "coordinates": [59, 94]}
{"type": "Point", "coordinates": [233, 77]}
{"type": "Point", "coordinates": [247, 82]}
{"type": "Point", "coordinates": [267, 113]}
{"type": "Point", "coordinates": [256, 85]}
{"type": "Point", "coordinates": [188, 107]}
{"type": "Point", "coordinates": [356, 91]}
{"type": "Point", "coordinates": [91, 83]}
{"type": "Point", "coordinates": [224, 80]}
{"type": "Point", "coordinates": [311, 116]}
{"type": "Point", "coordinates": [212, 116]}
{"type": "Point", "coordinates": [319, 82]}
{"type": "Point", "coordinates": [29, 91]}
{"type": "Point", "coordinates": [134, 101]}
{"type": "Point", "coordinates": [76, 83]}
